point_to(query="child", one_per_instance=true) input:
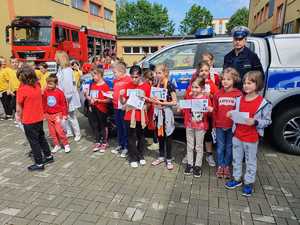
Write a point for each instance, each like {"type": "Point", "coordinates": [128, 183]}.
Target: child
{"type": "Point", "coordinates": [77, 73]}
{"type": "Point", "coordinates": [214, 76]}
{"type": "Point", "coordinates": [149, 78]}
{"type": "Point", "coordinates": [246, 136]}
{"type": "Point", "coordinates": [98, 109]}
{"type": "Point", "coordinates": [135, 118]}
{"type": "Point", "coordinates": [164, 117]}
{"type": "Point", "coordinates": [29, 97]}
{"type": "Point", "coordinates": [120, 82]}
{"type": "Point", "coordinates": [56, 113]}
{"type": "Point", "coordinates": [196, 124]}
{"type": "Point", "coordinates": [224, 101]}
{"type": "Point", "coordinates": [42, 74]}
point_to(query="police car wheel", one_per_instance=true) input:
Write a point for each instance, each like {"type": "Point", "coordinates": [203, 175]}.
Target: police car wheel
{"type": "Point", "coordinates": [286, 131]}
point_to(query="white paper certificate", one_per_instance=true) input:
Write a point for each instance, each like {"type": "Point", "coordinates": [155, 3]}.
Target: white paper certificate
{"type": "Point", "coordinates": [185, 104]}
{"type": "Point", "coordinates": [136, 102]}
{"type": "Point", "coordinates": [199, 105]}
{"type": "Point", "coordinates": [94, 94]}
{"type": "Point", "coordinates": [136, 92]}
{"type": "Point", "coordinates": [239, 117]}
{"type": "Point", "coordinates": [107, 94]}
{"type": "Point", "coordinates": [159, 93]}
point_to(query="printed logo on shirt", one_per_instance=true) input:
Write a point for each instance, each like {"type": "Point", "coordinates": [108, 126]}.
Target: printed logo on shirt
{"type": "Point", "coordinates": [197, 116]}
{"type": "Point", "coordinates": [51, 101]}
{"type": "Point", "coordinates": [227, 101]}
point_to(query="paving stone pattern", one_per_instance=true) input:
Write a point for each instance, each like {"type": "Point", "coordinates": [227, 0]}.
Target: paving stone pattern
{"type": "Point", "coordinates": [85, 188]}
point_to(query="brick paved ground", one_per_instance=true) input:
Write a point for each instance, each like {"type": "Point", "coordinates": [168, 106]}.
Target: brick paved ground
{"type": "Point", "coordinates": [89, 188]}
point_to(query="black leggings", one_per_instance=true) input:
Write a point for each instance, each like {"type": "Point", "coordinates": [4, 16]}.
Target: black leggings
{"type": "Point", "coordinates": [136, 142]}
{"type": "Point", "coordinates": [165, 146]}
{"type": "Point", "coordinates": [7, 102]}
{"type": "Point", "coordinates": [98, 122]}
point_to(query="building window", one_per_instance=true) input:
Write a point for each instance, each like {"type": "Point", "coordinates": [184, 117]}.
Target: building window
{"type": "Point", "coordinates": [271, 8]}
{"type": "Point", "coordinates": [153, 49]}
{"type": "Point", "coordinates": [279, 15]}
{"type": "Point", "coordinates": [139, 50]}
{"type": "Point", "coordinates": [94, 9]}
{"type": "Point", "coordinates": [288, 28]}
{"type": "Point", "coordinates": [77, 4]}
{"type": "Point", "coordinates": [107, 14]}
{"type": "Point", "coordinates": [127, 50]}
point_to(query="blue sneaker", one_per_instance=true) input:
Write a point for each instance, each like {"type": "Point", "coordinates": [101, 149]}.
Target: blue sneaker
{"type": "Point", "coordinates": [232, 184]}
{"type": "Point", "coordinates": [247, 190]}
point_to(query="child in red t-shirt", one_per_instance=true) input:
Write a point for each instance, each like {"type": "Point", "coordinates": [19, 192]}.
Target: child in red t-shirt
{"type": "Point", "coordinates": [213, 74]}
{"type": "Point", "coordinates": [29, 111]}
{"type": "Point", "coordinates": [196, 124]}
{"type": "Point", "coordinates": [56, 113]}
{"type": "Point", "coordinates": [98, 109]}
{"type": "Point", "coordinates": [224, 101]}
{"type": "Point", "coordinates": [248, 130]}
{"type": "Point", "coordinates": [136, 118]}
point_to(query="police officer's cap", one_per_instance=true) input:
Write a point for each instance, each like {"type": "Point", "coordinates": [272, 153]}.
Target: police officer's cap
{"type": "Point", "coordinates": [240, 32]}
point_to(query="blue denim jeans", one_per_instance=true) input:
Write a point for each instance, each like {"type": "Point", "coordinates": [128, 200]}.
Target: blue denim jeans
{"type": "Point", "coordinates": [224, 146]}
{"type": "Point", "coordinates": [122, 128]}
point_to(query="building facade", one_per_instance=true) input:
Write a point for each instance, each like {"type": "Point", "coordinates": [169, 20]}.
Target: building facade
{"type": "Point", "coordinates": [275, 16]}
{"type": "Point", "coordinates": [219, 25]}
{"type": "Point", "coordinates": [134, 48]}
{"type": "Point", "coordinates": [99, 15]}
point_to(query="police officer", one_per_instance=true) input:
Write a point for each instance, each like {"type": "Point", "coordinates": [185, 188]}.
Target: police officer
{"type": "Point", "coordinates": [241, 57]}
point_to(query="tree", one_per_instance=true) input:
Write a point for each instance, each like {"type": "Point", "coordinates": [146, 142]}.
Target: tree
{"type": "Point", "coordinates": [239, 18]}
{"type": "Point", "coordinates": [142, 17]}
{"type": "Point", "coordinates": [196, 17]}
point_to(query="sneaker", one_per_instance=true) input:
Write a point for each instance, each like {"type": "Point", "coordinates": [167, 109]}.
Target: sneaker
{"type": "Point", "coordinates": [157, 161]}
{"type": "Point", "coordinates": [220, 172]}
{"type": "Point", "coordinates": [116, 150]}
{"type": "Point", "coordinates": [142, 162]}
{"type": "Point", "coordinates": [184, 160]}
{"type": "Point", "coordinates": [247, 190]}
{"type": "Point", "coordinates": [170, 165]}
{"type": "Point", "coordinates": [56, 149]}
{"type": "Point", "coordinates": [9, 117]}
{"type": "Point", "coordinates": [134, 164]}
{"type": "Point", "coordinates": [96, 147]}
{"type": "Point", "coordinates": [103, 148]}
{"type": "Point", "coordinates": [188, 170]}
{"type": "Point", "coordinates": [210, 160]}
{"type": "Point", "coordinates": [124, 153]}
{"type": "Point", "coordinates": [232, 184]}
{"type": "Point", "coordinates": [197, 171]}
{"type": "Point", "coordinates": [36, 167]}
{"type": "Point", "coordinates": [69, 135]}
{"type": "Point", "coordinates": [49, 159]}
{"type": "Point", "coordinates": [67, 148]}
{"type": "Point", "coordinates": [153, 146]}
{"type": "Point", "coordinates": [227, 173]}
{"type": "Point", "coordinates": [77, 138]}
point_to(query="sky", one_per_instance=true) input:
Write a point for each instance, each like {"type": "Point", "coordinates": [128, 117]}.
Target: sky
{"type": "Point", "coordinates": [218, 8]}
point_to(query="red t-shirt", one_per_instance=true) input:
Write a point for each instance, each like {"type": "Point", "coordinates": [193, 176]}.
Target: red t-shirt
{"type": "Point", "coordinates": [54, 101]}
{"type": "Point", "coordinates": [119, 84]}
{"type": "Point", "coordinates": [146, 88]}
{"type": "Point", "coordinates": [223, 103]}
{"type": "Point", "coordinates": [96, 92]}
{"type": "Point", "coordinates": [244, 132]}
{"type": "Point", "coordinates": [196, 120]}
{"type": "Point", "coordinates": [210, 88]}
{"type": "Point", "coordinates": [30, 99]}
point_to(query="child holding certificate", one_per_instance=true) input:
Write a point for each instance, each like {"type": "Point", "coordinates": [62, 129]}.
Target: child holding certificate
{"type": "Point", "coordinates": [136, 115]}
{"type": "Point", "coordinates": [224, 101]}
{"type": "Point", "coordinates": [163, 115]}
{"type": "Point", "coordinates": [196, 123]}
{"type": "Point", "coordinates": [248, 130]}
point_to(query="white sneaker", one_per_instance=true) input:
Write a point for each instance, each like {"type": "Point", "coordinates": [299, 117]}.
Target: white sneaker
{"type": "Point", "coordinates": [142, 162]}
{"type": "Point", "coordinates": [56, 149]}
{"type": "Point", "coordinates": [124, 153]}
{"type": "Point", "coordinates": [67, 148]}
{"type": "Point", "coordinates": [77, 138]}
{"type": "Point", "coordinates": [210, 160]}
{"type": "Point", "coordinates": [116, 150]}
{"type": "Point", "coordinates": [134, 164]}
{"type": "Point", "coordinates": [153, 146]}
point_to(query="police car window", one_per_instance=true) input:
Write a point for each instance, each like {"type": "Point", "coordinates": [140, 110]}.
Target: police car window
{"type": "Point", "coordinates": [180, 57]}
{"type": "Point", "coordinates": [219, 50]}
{"type": "Point", "coordinates": [288, 54]}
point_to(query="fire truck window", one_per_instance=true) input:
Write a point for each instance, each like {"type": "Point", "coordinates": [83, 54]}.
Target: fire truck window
{"type": "Point", "coordinates": [59, 34]}
{"type": "Point", "coordinates": [66, 34]}
{"type": "Point", "coordinates": [75, 37]}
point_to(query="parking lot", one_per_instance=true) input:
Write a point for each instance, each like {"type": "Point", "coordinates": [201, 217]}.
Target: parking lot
{"type": "Point", "coordinates": [92, 188]}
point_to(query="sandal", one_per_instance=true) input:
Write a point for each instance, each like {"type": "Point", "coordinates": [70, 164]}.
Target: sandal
{"type": "Point", "coordinates": [157, 162]}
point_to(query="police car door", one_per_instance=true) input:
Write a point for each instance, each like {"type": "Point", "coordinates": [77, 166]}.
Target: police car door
{"type": "Point", "coordinates": [181, 63]}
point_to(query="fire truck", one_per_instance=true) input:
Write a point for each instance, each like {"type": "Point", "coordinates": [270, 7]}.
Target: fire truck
{"type": "Point", "coordinates": [37, 38]}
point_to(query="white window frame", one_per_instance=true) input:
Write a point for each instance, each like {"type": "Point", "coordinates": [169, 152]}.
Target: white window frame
{"type": "Point", "coordinates": [110, 17]}
{"type": "Point", "coordinates": [140, 50]}
{"type": "Point", "coordinates": [94, 6]}
{"type": "Point", "coordinates": [78, 4]}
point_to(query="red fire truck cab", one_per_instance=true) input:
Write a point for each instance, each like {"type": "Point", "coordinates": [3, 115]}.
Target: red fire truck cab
{"type": "Point", "coordinates": [38, 38]}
